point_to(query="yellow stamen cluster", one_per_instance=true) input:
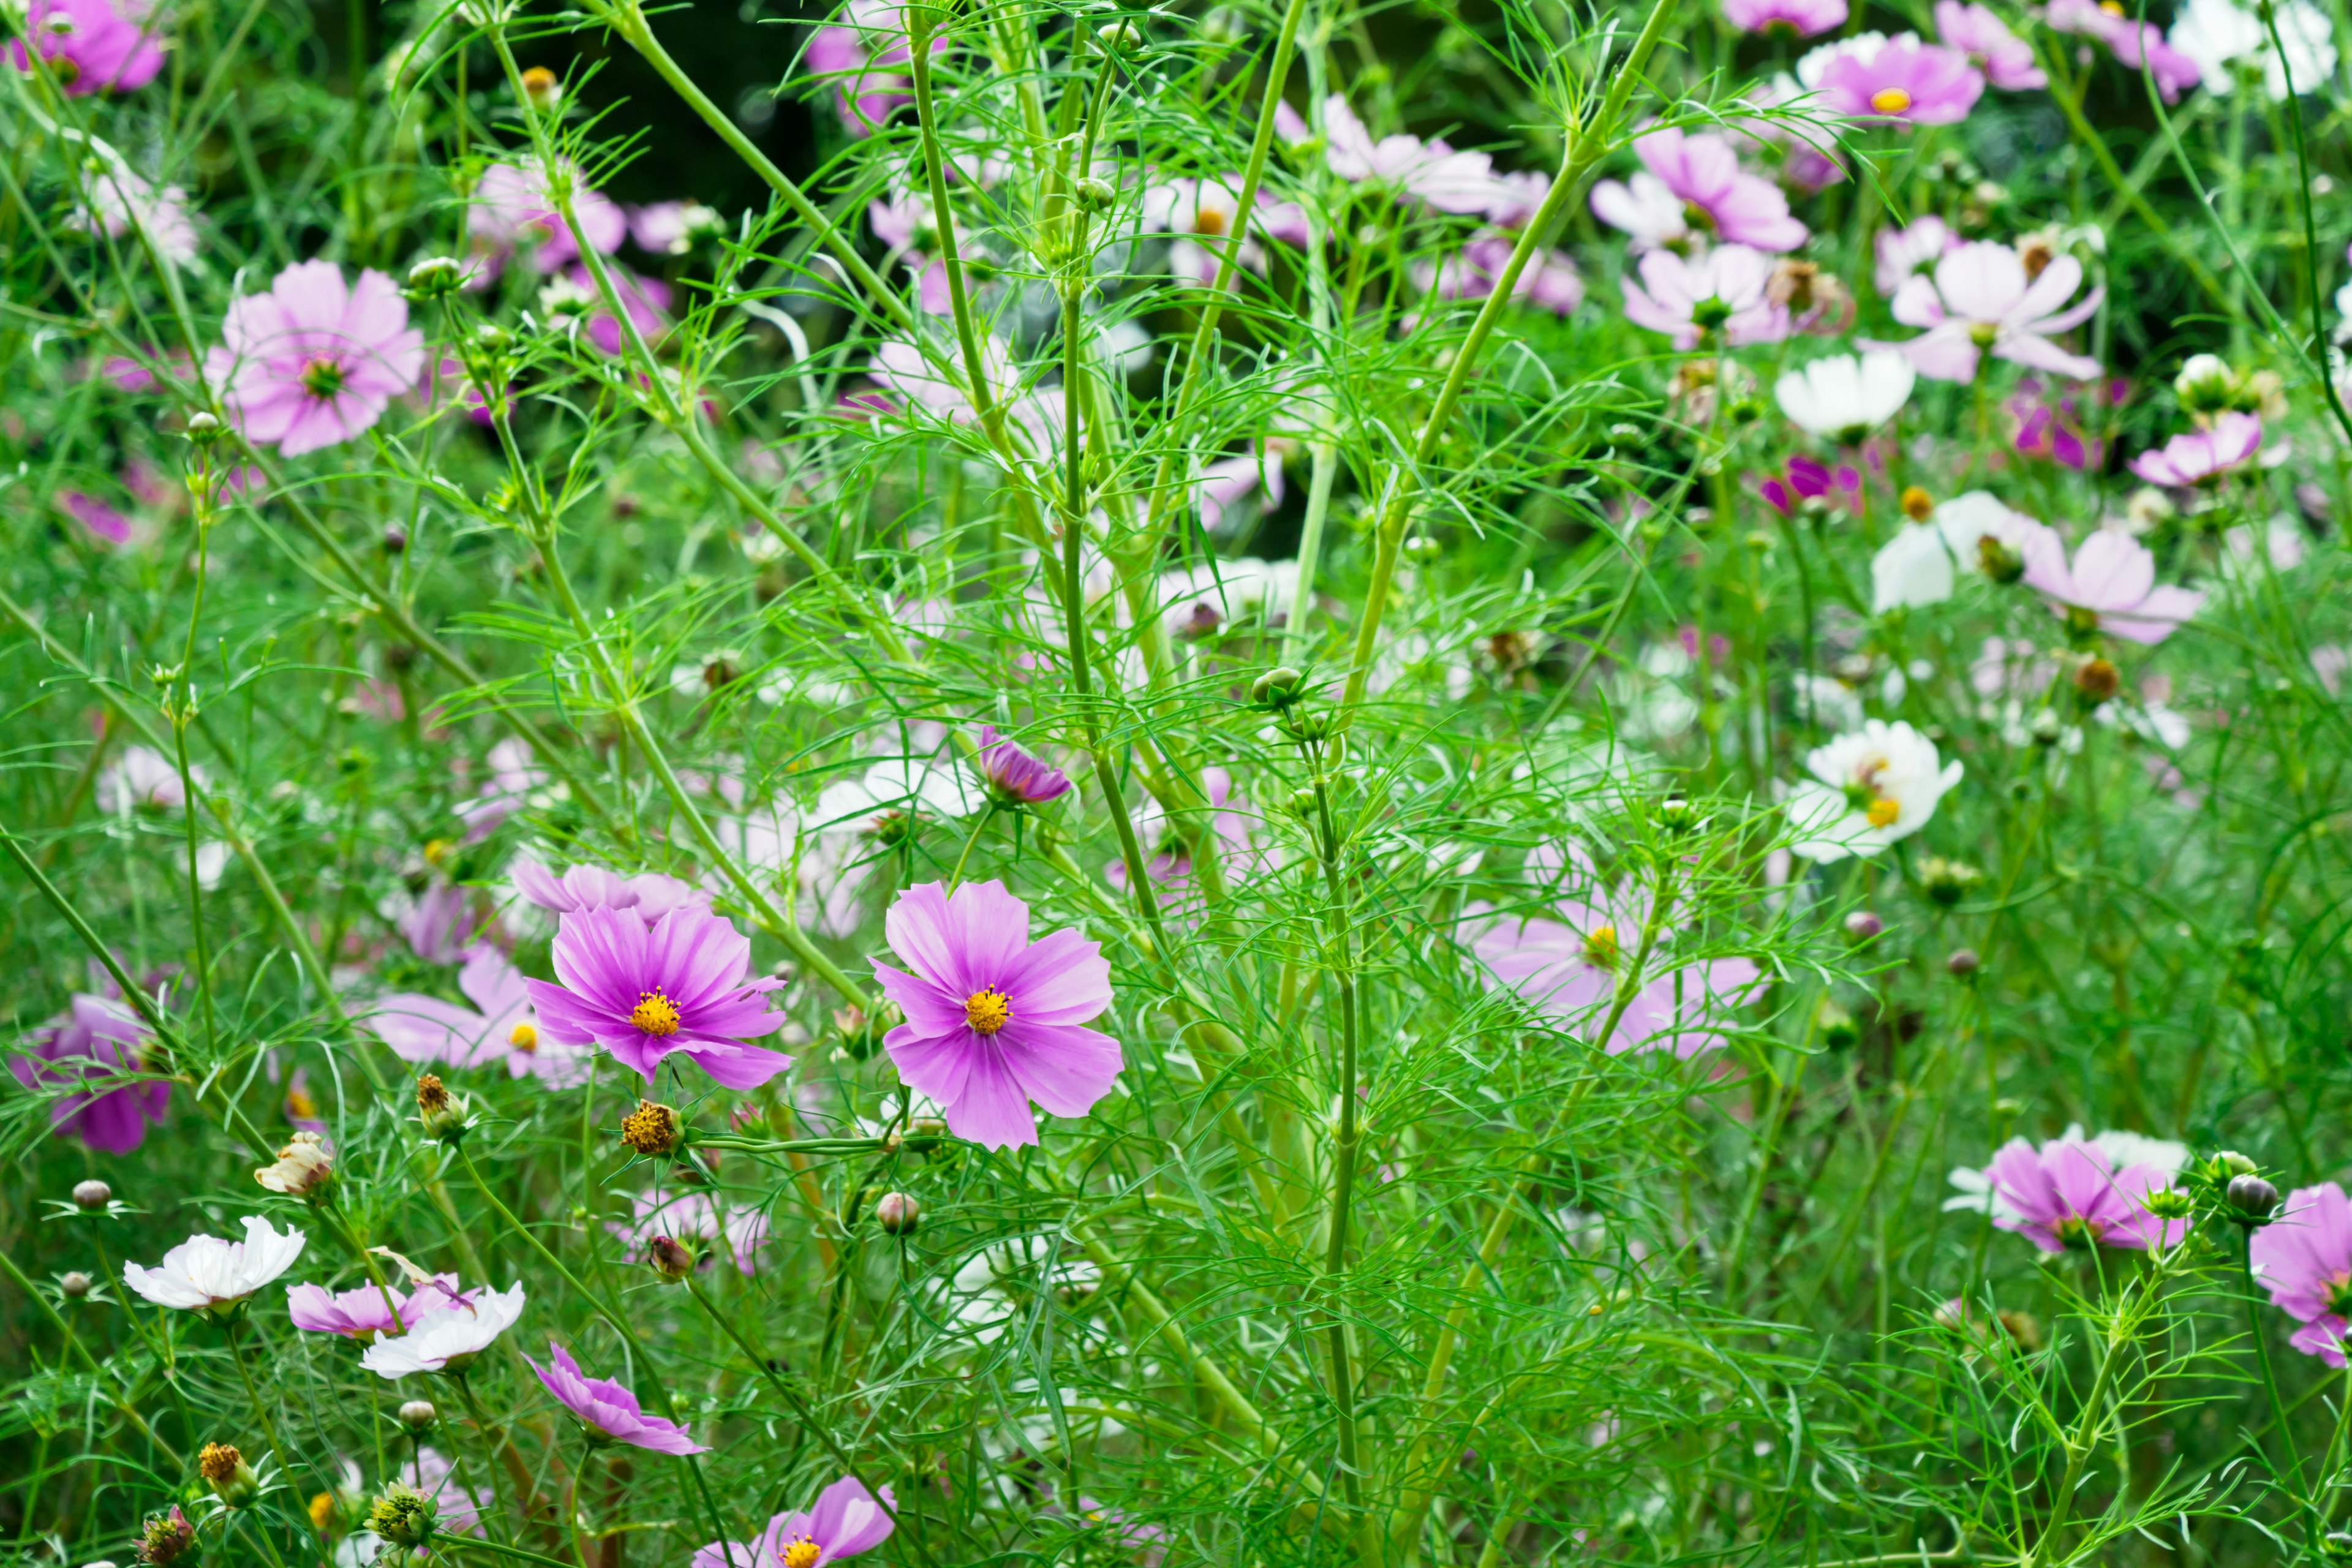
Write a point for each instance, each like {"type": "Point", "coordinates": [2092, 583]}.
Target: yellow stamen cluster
{"type": "Point", "coordinates": [654, 1014]}
{"type": "Point", "coordinates": [1890, 101]}
{"type": "Point", "coordinates": [1600, 949]}
{"type": "Point", "coordinates": [1883, 812]}
{"type": "Point", "coordinates": [800, 1553]}
{"type": "Point", "coordinates": [523, 1037]}
{"type": "Point", "coordinates": [218, 1463]}
{"type": "Point", "coordinates": [651, 1129]}
{"type": "Point", "coordinates": [987, 1011]}
{"type": "Point", "coordinates": [431, 1095]}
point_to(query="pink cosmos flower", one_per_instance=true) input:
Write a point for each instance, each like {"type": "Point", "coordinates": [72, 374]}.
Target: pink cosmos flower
{"type": "Point", "coordinates": [94, 515]}
{"type": "Point", "coordinates": [1720, 292]}
{"type": "Point", "coordinates": [1171, 865]}
{"type": "Point", "coordinates": [1548, 281]}
{"type": "Point", "coordinates": [994, 1021]}
{"type": "Point", "coordinates": [315, 360]}
{"type": "Point", "coordinates": [647, 992]}
{"type": "Point", "coordinates": [514, 773]}
{"type": "Point", "coordinates": [650, 893]}
{"type": "Point", "coordinates": [936, 389]}
{"type": "Point", "coordinates": [2303, 1258]}
{"type": "Point", "coordinates": [1570, 968]}
{"type": "Point", "coordinates": [90, 45]}
{"type": "Point", "coordinates": [1429, 172]}
{"type": "Point", "coordinates": [2132, 42]}
{"type": "Point", "coordinates": [646, 299]}
{"type": "Point", "coordinates": [121, 202]}
{"type": "Point", "coordinates": [440, 925]}
{"type": "Point", "coordinates": [1013, 775]}
{"type": "Point", "coordinates": [1225, 483]}
{"type": "Point", "coordinates": [1203, 214]}
{"type": "Point", "coordinates": [2203, 457]}
{"type": "Point", "coordinates": [846, 1522]}
{"type": "Point", "coordinates": [2050, 430]}
{"type": "Point", "coordinates": [2068, 1194]}
{"type": "Point", "coordinates": [1980, 299]}
{"type": "Point", "coordinates": [739, 1236]}
{"type": "Point", "coordinates": [144, 779]}
{"type": "Point", "coordinates": [1802, 17]}
{"type": "Point", "coordinates": [365, 1314]}
{"type": "Point", "coordinates": [1903, 79]}
{"type": "Point", "coordinates": [1808, 479]}
{"type": "Point", "coordinates": [94, 1046]}
{"type": "Point", "coordinates": [609, 1412]}
{"type": "Point", "coordinates": [512, 215]}
{"type": "Point", "coordinates": [1908, 252]}
{"type": "Point", "coordinates": [499, 1027]}
{"type": "Point", "coordinates": [2006, 59]}
{"type": "Point", "coordinates": [1702, 173]}
{"type": "Point", "coordinates": [2110, 588]}
{"type": "Point", "coordinates": [872, 35]}
{"type": "Point", "coordinates": [903, 220]}
{"type": "Point", "coordinates": [447, 1334]}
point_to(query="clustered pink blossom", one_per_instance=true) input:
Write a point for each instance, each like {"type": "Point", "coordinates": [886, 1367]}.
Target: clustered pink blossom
{"type": "Point", "coordinates": [1429, 172]}
{"type": "Point", "coordinates": [1697, 178]}
{"type": "Point", "coordinates": [90, 45]}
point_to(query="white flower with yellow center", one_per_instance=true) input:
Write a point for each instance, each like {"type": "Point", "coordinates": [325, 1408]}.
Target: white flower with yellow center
{"type": "Point", "coordinates": [1869, 789]}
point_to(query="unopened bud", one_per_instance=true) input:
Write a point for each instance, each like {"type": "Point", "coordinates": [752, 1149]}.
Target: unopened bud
{"type": "Point", "coordinates": [1277, 688]}
{"type": "Point", "coordinates": [435, 278]}
{"type": "Point", "coordinates": [651, 1130]}
{"type": "Point", "coordinates": [1997, 561]}
{"type": "Point", "coordinates": [203, 429]}
{"type": "Point", "coordinates": [226, 1471]}
{"type": "Point", "coordinates": [1862, 925]}
{"type": "Point", "coordinates": [75, 1284]}
{"type": "Point", "coordinates": [490, 338]}
{"type": "Point", "coordinates": [1118, 36]}
{"type": "Point", "coordinates": [671, 1258]}
{"type": "Point", "coordinates": [165, 1537]}
{"type": "Point", "coordinates": [395, 539]}
{"type": "Point", "coordinates": [2252, 1200]}
{"type": "Point", "coordinates": [1096, 193]}
{"type": "Point", "coordinates": [897, 1213]}
{"type": "Point", "coordinates": [1837, 1026]}
{"type": "Point", "coordinates": [93, 1195]}
{"type": "Point", "coordinates": [1963, 963]}
{"type": "Point", "coordinates": [541, 89]}
{"type": "Point", "coordinates": [2097, 681]}
{"type": "Point", "coordinates": [2046, 728]}
{"type": "Point", "coordinates": [1676, 814]}
{"type": "Point", "coordinates": [2169, 1203]}
{"type": "Point", "coordinates": [2229, 1163]}
{"type": "Point", "coordinates": [418, 1415]}
{"type": "Point", "coordinates": [442, 1113]}
{"type": "Point", "coordinates": [1947, 882]}
{"type": "Point", "coordinates": [303, 1167]}
{"type": "Point", "coordinates": [403, 1516]}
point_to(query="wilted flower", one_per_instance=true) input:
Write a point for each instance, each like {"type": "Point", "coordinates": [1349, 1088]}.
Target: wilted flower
{"type": "Point", "coordinates": [609, 1412]}
{"type": "Point", "coordinates": [2303, 1258]}
{"type": "Point", "coordinates": [316, 361]}
{"type": "Point", "coordinates": [206, 1274]}
{"type": "Point", "coordinates": [646, 993]}
{"type": "Point", "coordinates": [2111, 588]}
{"type": "Point", "coordinates": [738, 1234]}
{"type": "Point", "coordinates": [994, 1021]}
{"type": "Point", "coordinates": [165, 1537]}
{"type": "Point", "coordinates": [846, 1522]}
{"type": "Point", "coordinates": [1869, 789]}
{"type": "Point", "coordinates": [302, 1167]}
{"type": "Point", "coordinates": [448, 1337]}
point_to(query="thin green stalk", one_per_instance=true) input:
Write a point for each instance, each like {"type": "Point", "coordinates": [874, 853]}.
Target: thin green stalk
{"type": "Point", "coordinates": [1341, 960]}
{"type": "Point", "coordinates": [2268, 14]}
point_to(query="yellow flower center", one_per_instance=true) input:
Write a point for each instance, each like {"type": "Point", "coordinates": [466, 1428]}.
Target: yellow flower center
{"type": "Point", "coordinates": [1601, 947]}
{"type": "Point", "coordinates": [1883, 812]}
{"type": "Point", "coordinates": [523, 1037]}
{"type": "Point", "coordinates": [654, 1014]}
{"type": "Point", "coordinates": [300, 1105]}
{"type": "Point", "coordinates": [987, 1011]}
{"type": "Point", "coordinates": [323, 1511]}
{"type": "Point", "coordinates": [800, 1553]}
{"type": "Point", "coordinates": [1208, 221]}
{"type": "Point", "coordinates": [1890, 101]}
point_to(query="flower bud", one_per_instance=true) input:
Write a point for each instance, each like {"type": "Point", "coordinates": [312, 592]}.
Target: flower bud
{"type": "Point", "coordinates": [442, 1113]}
{"type": "Point", "coordinates": [2252, 1200]}
{"type": "Point", "coordinates": [1917, 504]}
{"type": "Point", "coordinates": [1676, 814]}
{"type": "Point", "coordinates": [2046, 728]}
{"type": "Point", "coordinates": [1947, 882]}
{"type": "Point", "coordinates": [489, 338]}
{"type": "Point", "coordinates": [1837, 1026]}
{"type": "Point", "coordinates": [2169, 1203]}
{"type": "Point", "coordinates": [1862, 925]}
{"type": "Point", "coordinates": [897, 1213]}
{"type": "Point", "coordinates": [418, 1415]}
{"type": "Point", "coordinates": [1118, 36]}
{"type": "Point", "coordinates": [75, 1284]}
{"type": "Point", "coordinates": [2336, 1546]}
{"type": "Point", "coordinates": [403, 1516]}
{"type": "Point", "coordinates": [165, 1537]}
{"type": "Point", "coordinates": [203, 429]}
{"type": "Point", "coordinates": [303, 1168]}
{"type": "Point", "coordinates": [1303, 802]}
{"type": "Point", "coordinates": [435, 278]}
{"type": "Point", "coordinates": [2097, 681]}
{"type": "Point", "coordinates": [671, 1258]}
{"type": "Point", "coordinates": [1963, 963]}
{"type": "Point", "coordinates": [2206, 385]}
{"type": "Point", "coordinates": [651, 1130]}
{"type": "Point", "coordinates": [226, 1471]}
{"type": "Point", "coordinates": [2229, 1163]}
{"type": "Point", "coordinates": [1095, 195]}
{"type": "Point", "coordinates": [93, 1195]}
{"type": "Point", "coordinates": [541, 90]}
{"type": "Point", "coordinates": [395, 539]}
{"type": "Point", "coordinates": [1277, 688]}
{"type": "Point", "coordinates": [1997, 561]}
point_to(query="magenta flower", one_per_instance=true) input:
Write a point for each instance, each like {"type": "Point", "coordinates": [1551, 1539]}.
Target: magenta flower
{"type": "Point", "coordinates": [646, 299]}
{"type": "Point", "coordinates": [846, 1522]}
{"type": "Point", "coordinates": [2068, 1194]}
{"type": "Point", "coordinates": [95, 1046]}
{"type": "Point", "coordinates": [871, 36]}
{"type": "Point", "coordinates": [2110, 588]}
{"type": "Point", "coordinates": [2006, 59]}
{"type": "Point", "coordinates": [1980, 299]}
{"type": "Point", "coordinates": [2303, 1258]}
{"type": "Point", "coordinates": [1702, 173]}
{"type": "Point", "coordinates": [647, 992]}
{"type": "Point", "coordinates": [994, 1021]}
{"type": "Point", "coordinates": [1014, 776]}
{"type": "Point", "coordinates": [440, 925]}
{"type": "Point", "coordinates": [1809, 478]}
{"type": "Point", "coordinates": [650, 893]}
{"type": "Point", "coordinates": [512, 215]}
{"type": "Point", "coordinates": [1722, 292]}
{"type": "Point", "coordinates": [499, 1027]}
{"type": "Point", "coordinates": [609, 1412]}
{"type": "Point", "coordinates": [315, 360]}
{"type": "Point", "coordinates": [1804, 18]}
{"type": "Point", "coordinates": [365, 1314]}
{"type": "Point", "coordinates": [2203, 457]}
{"type": "Point", "coordinates": [91, 46]}
{"type": "Point", "coordinates": [1571, 969]}
{"type": "Point", "coordinates": [1903, 79]}
{"type": "Point", "coordinates": [94, 515]}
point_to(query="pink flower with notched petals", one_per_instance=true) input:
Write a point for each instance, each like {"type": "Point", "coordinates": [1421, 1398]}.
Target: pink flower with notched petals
{"type": "Point", "coordinates": [1702, 172]}
{"type": "Point", "coordinates": [316, 361]}
{"type": "Point", "coordinates": [1903, 80]}
{"type": "Point", "coordinates": [994, 1020]}
{"type": "Point", "coordinates": [857, 50]}
{"type": "Point", "coordinates": [1979, 299]}
{"type": "Point", "coordinates": [1429, 172]}
{"type": "Point", "coordinates": [2006, 59]}
{"type": "Point", "coordinates": [512, 215]}
{"type": "Point", "coordinates": [2303, 1258]}
{"type": "Point", "coordinates": [94, 1047]}
{"type": "Point", "coordinates": [846, 1522]}
{"type": "Point", "coordinates": [2203, 457]}
{"type": "Point", "coordinates": [1722, 292]}
{"type": "Point", "coordinates": [2111, 587]}
{"type": "Point", "coordinates": [650, 893]}
{"type": "Point", "coordinates": [610, 1411]}
{"type": "Point", "coordinates": [501, 1027]}
{"type": "Point", "coordinates": [1908, 252]}
{"type": "Point", "coordinates": [2068, 1194]}
{"type": "Point", "coordinates": [1802, 17]}
{"type": "Point", "coordinates": [89, 46]}
{"type": "Point", "coordinates": [645, 994]}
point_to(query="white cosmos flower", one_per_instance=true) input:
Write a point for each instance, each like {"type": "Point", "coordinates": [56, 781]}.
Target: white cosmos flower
{"type": "Point", "coordinates": [448, 1338]}
{"type": "Point", "coordinates": [1910, 570]}
{"type": "Point", "coordinates": [1844, 397]}
{"type": "Point", "coordinates": [888, 792]}
{"type": "Point", "coordinates": [1869, 789]}
{"type": "Point", "coordinates": [2219, 36]}
{"type": "Point", "coordinates": [206, 1274]}
{"type": "Point", "coordinates": [1968, 519]}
